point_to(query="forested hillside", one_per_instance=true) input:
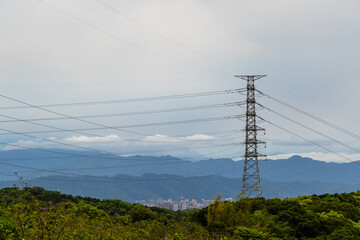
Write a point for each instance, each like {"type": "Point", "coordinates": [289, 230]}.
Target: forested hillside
{"type": "Point", "coordinates": [34, 213]}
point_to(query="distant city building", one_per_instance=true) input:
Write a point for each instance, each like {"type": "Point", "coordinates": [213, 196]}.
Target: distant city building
{"type": "Point", "coordinates": [183, 204]}
{"type": "Point", "coordinates": [175, 206]}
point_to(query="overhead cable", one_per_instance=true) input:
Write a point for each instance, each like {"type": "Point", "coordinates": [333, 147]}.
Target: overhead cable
{"type": "Point", "coordinates": [158, 98]}
{"type": "Point", "coordinates": [316, 131]}
{"type": "Point", "coordinates": [312, 142]}
{"type": "Point", "coordinates": [139, 165]}
{"type": "Point", "coordinates": [165, 37]}
{"type": "Point", "coordinates": [327, 123]}
{"type": "Point", "coordinates": [219, 105]}
{"type": "Point", "coordinates": [78, 119]}
{"type": "Point", "coordinates": [124, 40]}
{"type": "Point", "coordinates": [121, 128]}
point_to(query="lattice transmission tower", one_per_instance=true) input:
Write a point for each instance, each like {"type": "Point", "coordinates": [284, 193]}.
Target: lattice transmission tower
{"type": "Point", "coordinates": [251, 184]}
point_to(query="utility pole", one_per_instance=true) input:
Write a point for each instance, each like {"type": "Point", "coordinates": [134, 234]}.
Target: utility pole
{"type": "Point", "coordinates": [251, 184]}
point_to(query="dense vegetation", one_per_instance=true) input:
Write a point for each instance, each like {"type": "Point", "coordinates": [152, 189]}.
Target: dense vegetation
{"type": "Point", "coordinates": [34, 213]}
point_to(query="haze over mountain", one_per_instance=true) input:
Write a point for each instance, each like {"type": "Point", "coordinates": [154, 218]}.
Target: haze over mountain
{"type": "Point", "coordinates": [154, 186]}
{"type": "Point", "coordinates": [143, 177]}
{"type": "Point", "coordinates": [295, 168]}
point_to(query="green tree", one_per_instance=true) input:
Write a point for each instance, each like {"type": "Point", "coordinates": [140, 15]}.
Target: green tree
{"type": "Point", "coordinates": [244, 233]}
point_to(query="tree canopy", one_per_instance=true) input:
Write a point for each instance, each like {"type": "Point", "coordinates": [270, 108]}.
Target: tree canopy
{"type": "Point", "coordinates": [34, 213]}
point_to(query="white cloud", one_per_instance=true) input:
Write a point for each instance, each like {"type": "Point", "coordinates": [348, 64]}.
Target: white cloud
{"type": "Point", "coordinates": [82, 141]}
{"type": "Point", "coordinates": [111, 142]}
{"type": "Point", "coordinates": [167, 139]}
{"type": "Point", "coordinates": [24, 144]}
{"type": "Point", "coordinates": [299, 142]}
{"type": "Point", "coordinates": [86, 139]}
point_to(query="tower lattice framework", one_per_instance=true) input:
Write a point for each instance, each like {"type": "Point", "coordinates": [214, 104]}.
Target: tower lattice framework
{"type": "Point", "coordinates": [251, 184]}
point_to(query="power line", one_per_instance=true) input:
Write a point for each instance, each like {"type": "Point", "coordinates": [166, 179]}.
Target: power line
{"type": "Point", "coordinates": [121, 128]}
{"type": "Point", "coordinates": [111, 158]}
{"type": "Point", "coordinates": [102, 151]}
{"type": "Point", "coordinates": [220, 105]}
{"type": "Point", "coordinates": [126, 82]}
{"type": "Point", "coordinates": [181, 137]}
{"type": "Point", "coordinates": [109, 178]}
{"type": "Point", "coordinates": [104, 157]}
{"type": "Point", "coordinates": [316, 131]}
{"type": "Point", "coordinates": [168, 97]}
{"type": "Point", "coordinates": [48, 170]}
{"type": "Point", "coordinates": [72, 154]}
{"type": "Point", "coordinates": [76, 174]}
{"type": "Point", "coordinates": [312, 142]}
{"type": "Point", "coordinates": [141, 165]}
{"type": "Point", "coordinates": [58, 142]}
{"type": "Point", "coordinates": [43, 150]}
{"type": "Point", "coordinates": [138, 152]}
{"type": "Point", "coordinates": [312, 99]}
{"type": "Point", "coordinates": [111, 167]}
{"type": "Point", "coordinates": [57, 129]}
{"type": "Point", "coordinates": [80, 175]}
{"type": "Point", "coordinates": [69, 130]}
{"type": "Point", "coordinates": [87, 148]}
{"type": "Point", "coordinates": [90, 156]}
{"type": "Point", "coordinates": [52, 141]}
{"type": "Point", "coordinates": [119, 158]}
{"type": "Point", "coordinates": [96, 124]}
{"type": "Point", "coordinates": [313, 117]}
{"type": "Point", "coordinates": [62, 143]}
{"type": "Point", "coordinates": [156, 143]}
{"type": "Point", "coordinates": [81, 120]}
{"type": "Point", "coordinates": [165, 37]}
{"type": "Point", "coordinates": [122, 39]}
{"type": "Point", "coordinates": [189, 176]}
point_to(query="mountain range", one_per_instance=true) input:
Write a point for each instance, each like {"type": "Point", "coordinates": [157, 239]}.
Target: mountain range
{"type": "Point", "coordinates": [126, 177]}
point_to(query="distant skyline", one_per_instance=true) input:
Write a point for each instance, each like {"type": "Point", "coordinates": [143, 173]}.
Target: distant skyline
{"type": "Point", "coordinates": [86, 51]}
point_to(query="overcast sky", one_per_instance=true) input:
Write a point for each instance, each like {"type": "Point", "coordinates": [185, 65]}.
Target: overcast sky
{"type": "Point", "coordinates": [66, 51]}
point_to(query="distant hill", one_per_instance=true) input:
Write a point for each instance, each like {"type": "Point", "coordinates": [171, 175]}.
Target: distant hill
{"type": "Point", "coordinates": [153, 186]}
{"type": "Point", "coordinates": [294, 169]}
